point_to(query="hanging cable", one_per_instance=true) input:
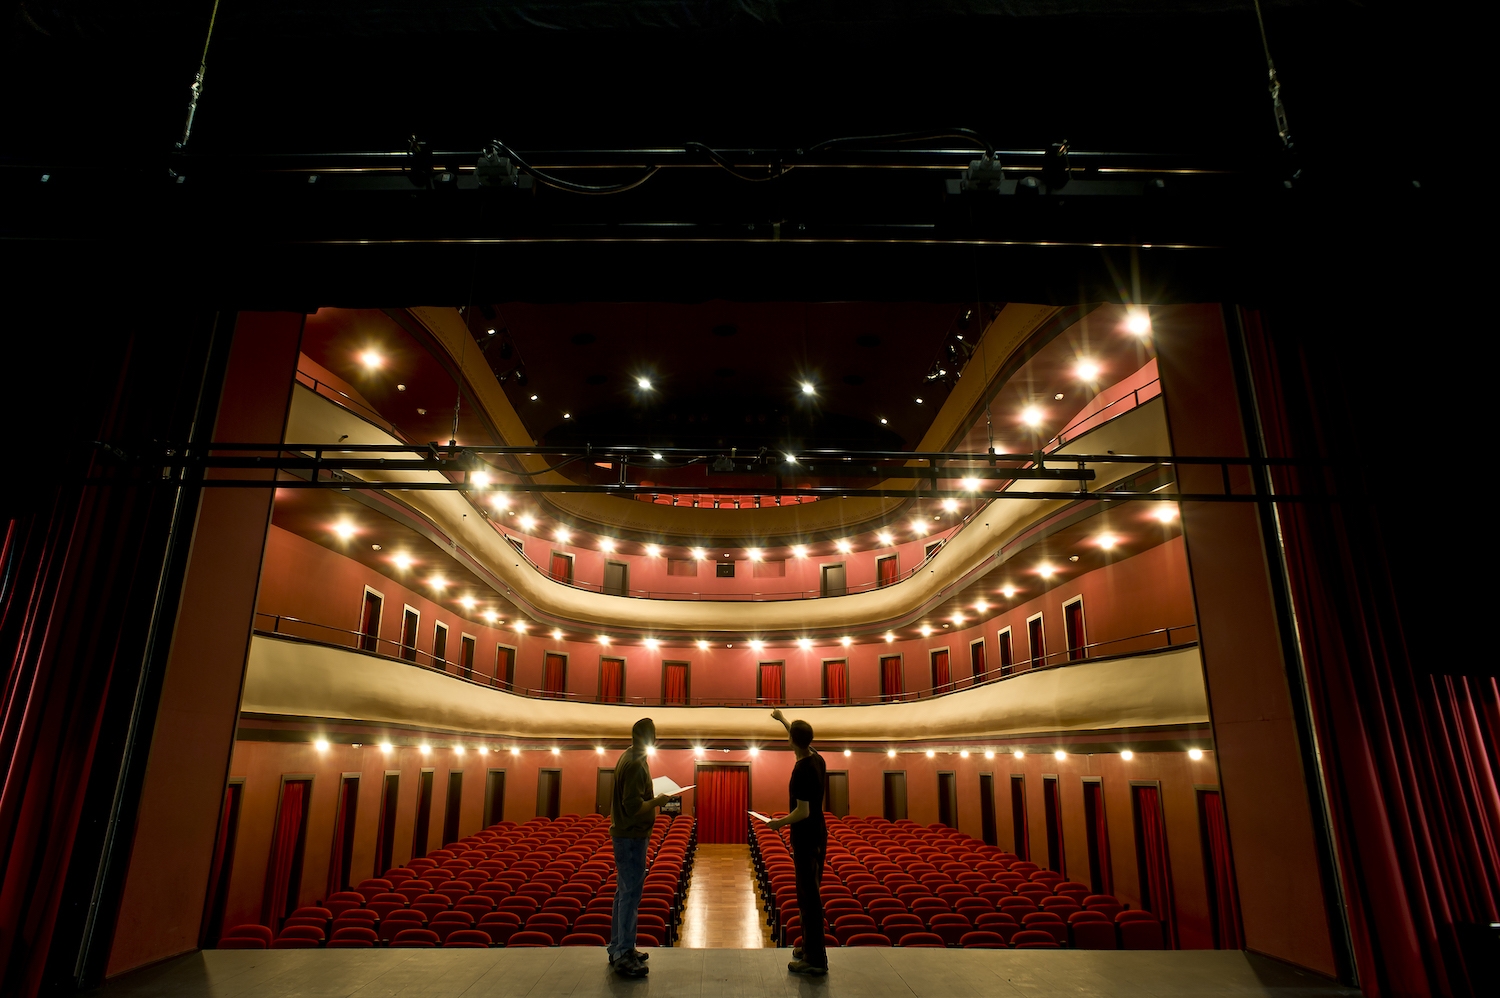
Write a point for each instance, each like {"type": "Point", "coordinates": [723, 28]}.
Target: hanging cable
{"type": "Point", "coordinates": [568, 185]}
{"type": "Point", "coordinates": [941, 133]}
{"type": "Point", "coordinates": [1282, 128]}
{"type": "Point", "coordinates": [780, 169]}
{"type": "Point", "coordinates": [197, 88]}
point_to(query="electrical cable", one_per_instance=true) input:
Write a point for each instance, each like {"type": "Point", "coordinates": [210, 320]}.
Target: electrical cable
{"type": "Point", "coordinates": [941, 133]}
{"type": "Point", "coordinates": [568, 185]}
{"type": "Point", "coordinates": [733, 170]}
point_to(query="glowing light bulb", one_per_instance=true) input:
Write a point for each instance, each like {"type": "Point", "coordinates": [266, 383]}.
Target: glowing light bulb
{"type": "Point", "coordinates": [698, 554]}
{"type": "Point", "coordinates": [889, 637]}
{"type": "Point", "coordinates": [480, 479]}
{"type": "Point", "coordinates": [655, 456]}
{"type": "Point", "coordinates": [1166, 512]}
{"type": "Point", "coordinates": [467, 602]}
{"type": "Point", "coordinates": [890, 753]}
{"type": "Point", "coordinates": [490, 616]}
{"type": "Point", "coordinates": [385, 747]}
{"type": "Point", "coordinates": [844, 547]}
{"type": "Point", "coordinates": [757, 645]}
{"type": "Point", "coordinates": [484, 750]}
{"type": "Point", "coordinates": [514, 750]}
{"type": "Point", "coordinates": [599, 749]}
{"type": "Point", "coordinates": [1008, 591]}
{"type": "Point", "coordinates": [527, 521]}
{"type": "Point", "coordinates": [438, 582]}
{"type": "Point", "coordinates": [847, 753]}
{"type": "Point", "coordinates": [499, 501]}
{"type": "Point", "coordinates": [1108, 541]}
{"type": "Point", "coordinates": [1019, 754]}
{"type": "Point", "coordinates": [1138, 322]}
{"type": "Point", "coordinates": [989, 753]}
{"type": "Point", "coordinates": [799, 551]}
{"type": "Point", "coordinates": [950, 505]}
{"type": "Point", "coordinates": [1046, 570]}
{"type": "Point", "coordinates": [653, 551]}
{"type": "Point", "coordinates": [458, 750]}
{"type": "Point", "coordinates": [1127, 755]}
{"type": "Point", "coordinates": [846, 641]}
{"type": "Point", "coordinates": [804, 643]}
{"type": "Point", "coordinates": [697, 751]}
{"type": "Point", "coordinates": [963, 754]}
{"type": "Point", "coordinates": [321, 744]}
{"type": "Point", "coordinates": [558, 751]}
{"type": "Point", "coordinates": [970, 484]}
{"type": "Point", "coordinates": [1031, 416]}
{"type": "Point", "coordinates": [426, 749]}
{"type": "Point", "coordinates": [930, 754]}
{"type": "Point", "coordinates": [926, 631]}
{"type": "Point", "coordinates": [563, 535]}
{"type": "Point", "coordinates": [401, 561]}
{"type": "Point", "coordinates": [1059, 755]}
{"type": "Point", "coordinates": [980, 606]}
{"type": "Point", "coordinates": [520, 626]}
{"type": "Point", "coordinates": [958, 618]}
{"type": "Point", "coordinates": [1087, 370]}
{"type": "Point", "coordinates": [344, 529]}
{"type": "Point", "coordinates": [885, 538]}
{"type": "Point", "coordinates": [919, 527]}
{"type": "Point", "coordinates": [606, 544]}
{"type": "Point", "coordinates": [808, 388]}
{"type": "Point", "coordinates": [703, 646]}
{"type": "Point", "coordinates": [754, 554]}
{"type": "Point", "coordinates": [644, 384]}
{"type": "Point", "coordinates": [1195, 754]}
{"type": "Point", "coordinates": [754, 751]}
{"type": "Point", "coordinates": [652, 643]}
{"type": "Point", "coordinates": [372, 360]}
{"type": "Point", "coordinates": [604, 640]}
{"type": "Point", "coordinates": [556, 634]}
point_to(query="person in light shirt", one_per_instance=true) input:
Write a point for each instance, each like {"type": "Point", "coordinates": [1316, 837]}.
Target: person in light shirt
{"type": "Point", "coordinates": [809, 844]}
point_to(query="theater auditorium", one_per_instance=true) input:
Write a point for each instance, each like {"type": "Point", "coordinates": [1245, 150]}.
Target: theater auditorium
{"type": "Point", "coordinates": [441, 404]}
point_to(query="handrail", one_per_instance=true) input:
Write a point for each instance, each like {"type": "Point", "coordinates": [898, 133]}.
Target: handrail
{"type": "Point", "coordinates": [1097, 418]}
{"type": "Point", "coordinates": [346, 400]}
{"type": "Point", "coordinates": [282, 626]}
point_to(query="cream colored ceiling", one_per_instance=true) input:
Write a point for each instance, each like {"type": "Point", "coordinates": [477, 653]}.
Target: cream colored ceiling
{"type": "Point", "coordinates": [293, 680]}
{"type": "Point", "coordinates": [1006, 334]}
{"type": "Point", "coordinates": [467, 535]}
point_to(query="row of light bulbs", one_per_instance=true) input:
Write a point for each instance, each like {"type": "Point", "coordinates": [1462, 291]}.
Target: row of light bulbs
{"type": "Point", "coordinates": [1060, 755]}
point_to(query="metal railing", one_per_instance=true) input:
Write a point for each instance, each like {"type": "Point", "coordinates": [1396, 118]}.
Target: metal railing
{"type": "Point", "coordinates": [1083, 423]}
{"type": "Point", "coordinates": [1149, 642]}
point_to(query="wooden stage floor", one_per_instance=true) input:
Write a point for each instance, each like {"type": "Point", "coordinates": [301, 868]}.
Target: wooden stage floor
{"type": "Point", "coordinates": [718, 973]}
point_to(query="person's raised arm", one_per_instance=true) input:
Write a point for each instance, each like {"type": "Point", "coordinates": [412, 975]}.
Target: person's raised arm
{"type": "Point", "coordinates": [777, 715]}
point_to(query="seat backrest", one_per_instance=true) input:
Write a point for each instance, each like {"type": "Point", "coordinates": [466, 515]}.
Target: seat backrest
{"type": "Point", "coordinates": [415, 937]}
{"type": "Point", "coordinates": [982, 940]}
{"type": "Point", "coordinates": [467, 938]}
{"type": "Point", "coordinates": [922, 940]}
{"type": "Point", "coordinates": [1034, 938]}
{"type": "Point", "coordinates": [1098, 934]}
{"type": "Point", "coordinates": [868, 939]}
{"type": "Point", "coordinates": [302, 932]}
{"type": "Point", "coordinates": [355, 932]}
{"type": "Point", "coordinates": [1140, 933]}
{"type": "Point", "coordinates": [251, 931]}
{"type": "Point", "coordinates": [582, 939]}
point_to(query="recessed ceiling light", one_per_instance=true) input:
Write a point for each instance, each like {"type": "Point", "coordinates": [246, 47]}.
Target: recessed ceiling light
{"type": "Point", "coordinates": [563, 534]}
{"type": "Point", "coordinates": [989, 753]}
{"type": "Point", "coordinates": [919, 401]}
{"type": "Point", "coordinates": [980, 606]}
{"type": "Point", "coordinates": [889, 637]}
{"type": "Point", "coordinates": [1108, 541]}
{"type": "Point", "coordinates": [401, 561]}
{"type": "Point", "coordinates": [1087, 370]}
{"type": "Point", "coordinates": [926, 631]}
{"type": "Point", "coordinates": [950, 505]}
{"type": "Point", "coordinates": [556, 634]}
{"type": "Point", "coordinates": [1031, 416]}
{"type": "Point", "coordinates": [846, 641]}
{"type": "Point", "coordinates": [698, 554]}
{"type": "Point", "coordinates": [964, 754]}
{"type": "Point", "coordinates": [757, 645]}
{"type": "Point", "coordinates": [1008, 591]}
{"type": "Point", "coordinates": [644, 384]}
{"type": "Point", "coordinates": [958, 618]}
{"type": "Point", "coordinates": [1059, 755]}
{"type": "Point", "coordinates": [844, 546]}
{"type": "Point", "coordinates": [371, 359]}
{"type": "Point", "coordinates": [1046, 570]}
{"type": "Point", "coordinates": [919, 526]}
{"type": "Point", "coordinates": [890, 753]}
{"type": "Point", "coordinates": [1127, 755]}
{"type": "Point", "coordinates": [400, 388]}
{"type": "Point", "coordinates": [527, 521]}
{"type": "Point", "coordinates": [606, 544]}
{"type": "Point", "coordinates": [847, 753]}
{"type": "Point", "coordinates": [754, 553]}
{"type": "Point", "coordinates": [1138, 322]}
{"type": "Point", "coordinates": [652, 643]}
{"type": "Point", "coordinates": [604, 640]}
{"type": "Point", "coordinates": [804, 643]}
{"type": "Point", "coordinates": [480, 478]}
{"type": "Point", "coordinates": [1166, 512]}
{"type": "Point", "coordinates": [882, 421]}
{"type": "Point", "coordinates": [754, 751]}
{"type": "Point", "coordinates": [808, 388]}
{"type": "Point", "coordinates": [491, 616]}
{"type": "Point", "coordinates": [970, 484]}
{"type": "Point", "coordinates": [500, 501]}
{"type": "Point", "coordinates": [321, 744]}
{"type": "Point", "coordinates": [438, 582]}
{"type": "Point", "coordinates": [799, 551]}
{"type": "Point", "coordinates": [703, 646]}
{"type": "Point", "coordinates": [653, 551]}
{"type": "Point", "coordinates": [490, 332]}
{"type": "Point", "coordinates": [885, 538]}
{"type": "Point", "coordinates": [1019, 754]}
{"type": "Point", "coordinates": [533, 398]}
{"type": "Point", "coordinates": [1195, 754]}
{"type": "Point", "coordinates": [1058, 397]}
{"type": "Point", "coordinates": [344, 529]}
{"type": "Point", "coordinates": [519, 626]}
{"type": "Point", "coordinates": [656, 455]}
{"type": "Point", "coordinates": [567, 415]}
{"type": "Point", "coordinates": [930, 754]}
{"type": "Point", "coordinates": [467, 602]}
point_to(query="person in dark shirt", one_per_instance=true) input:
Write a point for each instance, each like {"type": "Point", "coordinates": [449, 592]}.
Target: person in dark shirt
{"type": "Point", "coordinates": [631, 815]}
{"type": "Point", "coordinates": [809, 844]}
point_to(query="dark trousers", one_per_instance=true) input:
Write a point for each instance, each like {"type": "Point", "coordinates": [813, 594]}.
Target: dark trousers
{"type": "Point", "coordinates": [807, 858]}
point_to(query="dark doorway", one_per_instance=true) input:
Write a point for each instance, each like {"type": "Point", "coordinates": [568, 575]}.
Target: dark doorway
{"type": "Point", "coordinates": [1019, 834]}
{"type": "Point", "coordinates": [466, 656]}
{"type": "Point", "coordinates": [421, 835]}
{"type": "Point", "coordinates": [554, 674]}
{"type": "Point", "coordinates": [1101, 880]}
{"type": "Point", "coordinates": [836, 800]}
{"type": "Point", "coordinates": [410, 623]}
{"type": "Point", "coordinates": [987, 809]}
{"type": "Point", "coordinates": [616, 578]}
{"type": "Point", "coordinates": [439, 645]}
{"type": "Point", "coordinates": [604, 791]}
{"type": "Point", "coordinates": [548, 793]}
{"type": "Point", "coordinates": [505, 666]}
{"type": "Point", "coordinates": [494, 797]}
{"type": "Point", "coordinates": [369, 622]}
{"type": "Point", "coordinates": [1037, 636]}
{"type": "Point", "coordinates": [893, 794]}
{"type": "Point", "coordinates": [223, 862]}
{"type": "Point", "coordinates": [948, 799]}
{"type": "Point", "coordinates": [942, 675]}
{"type": "Point", "coordinates": [1052, 804]}
{"type": "Point", "coordinates": [385, 845]}
{"type": "Point", "coordinates": [1223, 895]}
{"type": "Point", "coordinates": [1005, 653]}
{"type": "Point", "coordinates": [833, 580]}
{"type": "Point", "coordinates": [451, 807]}
{"type": "Point", "coordinates": [342, 852]}
{"type": "Point", "coordinates": [1073, 631]}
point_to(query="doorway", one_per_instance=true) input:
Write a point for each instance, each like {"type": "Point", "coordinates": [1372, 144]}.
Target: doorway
{"type": "Point", "coordinates": [604, 791]}
{"type": "Point", "coordinates": [948, 799]}
{"type": "Point", "coordinates": [548, 793]}
{"type": "Point", "coordinates": [1019, 834]}
{"type": "Point", "coordinates": [616, 578]}
{"type": "Point", "coordinates": [836, 799]}
{"type": "Point", "coordinates": [452, 806]}
{"type": "Point", "coordinates": [720, 802]}
{"type": "Point", "coordinates": [369, 621]}
{"type": "Point", "coordinates": [893, 794]}
{"type": "Point", "coordinates": [494, 797]}
{"type": "Point", "coordinates": [987, 809]}
{"type": "Point", "coordinates": [833, 580]}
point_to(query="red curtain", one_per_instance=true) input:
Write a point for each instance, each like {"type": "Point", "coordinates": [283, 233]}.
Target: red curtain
{"type": "Point", "coordinates": [562, 568]}
{"type": "Point", "coordinates": [1151, 851]}
{"type": "Point", "coordinates": [890, 676]}
{"type": "Point", "coordinates": [281, 893]}
{"type": "Point", "coordinates": [721, 800]}
{"type": "Point", "coordinates": [1104, 881]}
{"type": "Point", "coordinates": [1229, 932]}
{"type": "Point", "coordinates": [554, 673]}
{"type": "Point", "coordinates": [770, 683]}
{"type": "Point", "coordinates": [611, 680]}
{"type": "Point", "coordinates": [888, 569]}
{"type": "Point", "coordinates": [836, 681]}
{"type": "Point", "coordinates": [941, 677]}
{"type": "Point", "coordinates": [676, 691]}
{"type": "Point", "coordinates": [976, 659]}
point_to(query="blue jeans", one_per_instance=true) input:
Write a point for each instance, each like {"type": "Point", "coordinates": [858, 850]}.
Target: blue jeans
{"type": "Point", "coordinates": [630, 878]}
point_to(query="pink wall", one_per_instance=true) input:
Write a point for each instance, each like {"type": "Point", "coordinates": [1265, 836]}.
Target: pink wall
{"type": "Point", "coordinates": [1137, 594]}
{"type": "Point", "coordinates": [650, 574]}
{"type": "Point", "coordinates": [263, 764]}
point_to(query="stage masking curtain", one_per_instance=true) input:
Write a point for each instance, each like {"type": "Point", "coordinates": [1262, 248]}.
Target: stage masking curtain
{"type": "Point", "coordinates": [770, 684]}
{"type": "Point", "coordinates": [611, 680]}
{"type": "Point", "coordinates": [1095, 794]}
{"type": "Point", "coordinates": [941, 677]}
{"type": "Point", "coordinates": [721, 800]}
{"type": "Point", "coordinates": [280, 891]}
{"type": "Point", "coordinates": [1151, 851]}
{"type": "Point", "coordinates": [976, 659]}
{"type": "Point", "coordinates": [890, 676]}
{"type": "Point", "coordinates": [216, 878]}
{"type": "Point", "coordinates": [1228, 931]}
{"type": "Point", "coordinates": [554, 674]}
{"type": "Point", "coordinates": [676, 683]}
{"type": "Point", "coordinates": [836, 681]}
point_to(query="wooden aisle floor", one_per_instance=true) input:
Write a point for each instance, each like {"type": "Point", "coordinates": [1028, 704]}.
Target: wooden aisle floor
{"type": "Point", "coordinates": [723, 909]}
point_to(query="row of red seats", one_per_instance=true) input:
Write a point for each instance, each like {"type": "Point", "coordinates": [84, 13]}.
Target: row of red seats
{"type": "Point", "coordinates": [566, 876]}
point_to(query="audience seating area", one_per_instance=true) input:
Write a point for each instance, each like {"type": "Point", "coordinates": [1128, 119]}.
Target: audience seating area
{"type": "Point", "coordinates": [899, 884]}
{"type": "Point", "coordinates": [541, 883]}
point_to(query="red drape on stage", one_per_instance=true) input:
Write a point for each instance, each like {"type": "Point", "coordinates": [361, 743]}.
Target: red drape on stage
{"type": "Point", "coordinates": [611, 680]}
{"type": "Point", "coordinates": [676, 691]}
{"type": "Point", "coordinates": [889, 569]}
{"type": "Point", "coordinates": [976, 659]}
{"type": "Point", "coordinates": [890, 676]}
{"type": "Point", "coordinates": [770, 684]}
{"type": "Point", "coordinates": [721, 800]}
{"type": "Point", "coordinates": [1155, 870]}
{"type": "Point", "coordinates": [562, 568]}
{"type": "Point", "coordinates": [216, 878]}
{"type": "Point", "coordinates": [281, 893]}
{"type": "Point", "coordinates": [942, 678]}
{"type": "Point", "coordinates": [554, 674]}
{"type": "Point", "coordinates": [1229, 932]}
{"type": "Point", "coordinates": [1095, 794]}
{"type": "Point", "coordinates": [836, 681]}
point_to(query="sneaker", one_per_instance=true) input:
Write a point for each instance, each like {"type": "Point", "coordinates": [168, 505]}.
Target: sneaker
{"type": "Point", "coordinates": [807, 969]}
{"type": "Point", "coordinates": [641, 957]}
{"type": "Point", "coordinates": [631, 967]}
{"type": "Point", "coordinates": [796, 952]}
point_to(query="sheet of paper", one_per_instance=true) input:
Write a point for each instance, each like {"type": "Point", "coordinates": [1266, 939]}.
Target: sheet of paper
{"type": "Point", "coordinates": [665, 785]}
{"type": "Point", "coordinates": [760, 817]}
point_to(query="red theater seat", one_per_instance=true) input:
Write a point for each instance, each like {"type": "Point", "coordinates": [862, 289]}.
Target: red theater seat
{"type": "Point", "coordinates": [247, 934]}
{"type": "Point", "coordinates": [415, 939]}
{"type": "Point", "coordinates": [982, 940]}
{"type": "Point", "coordinates": [868, 939]}
{"type": "Point", "coordinates": [1106, 904]}
{"type": "Point", "coordinates": [551, 923]}
{"type": "Point", "coordinates": [353, 937]}
{"type": "Point", "coordinates": [923, 940]}
{"type": "Point", "coordinates": [1139, 930]}
{"type": "Point", "coordinates": [343, 901]}
{"type": "Point", "coordinates": [242, 942]}
{"type": "Point", "coordinates": [1045, 921]}
{"type": "Point", "coordinates": [399, 921]}
{"type": "Point", "coordinates": [1034, 939]}
{"type": "Point", "coordinates": [1091, 930]}
{"type": "Point", "coordinates": [582, 939]}
{"type": "Point", "coordinates": [950, 928]}
{"type": "Point", "coordinates": [467, 939]}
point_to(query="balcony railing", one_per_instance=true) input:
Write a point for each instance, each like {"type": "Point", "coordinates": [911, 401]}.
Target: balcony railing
{"type": "Point", "coordinates": [293, 628]}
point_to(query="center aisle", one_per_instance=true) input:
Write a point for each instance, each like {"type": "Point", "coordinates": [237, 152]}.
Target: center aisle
{"type": "Point", "coordinates": [723, 909]}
